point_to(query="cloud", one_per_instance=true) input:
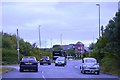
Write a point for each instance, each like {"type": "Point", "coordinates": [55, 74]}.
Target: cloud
{"type": "Point", "coordinates": [75, 20]}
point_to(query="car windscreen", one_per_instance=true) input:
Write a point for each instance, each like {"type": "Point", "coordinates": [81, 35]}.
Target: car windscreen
{"type": "Point", "coordinates": [60, 59]}
{"type": "Point", "coordinates": [45, 58]}
{"type": "Point", "coordinates": [90, 61]}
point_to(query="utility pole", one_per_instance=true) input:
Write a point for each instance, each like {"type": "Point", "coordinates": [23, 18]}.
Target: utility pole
{"type": "Point", "coordinates": [61, 38]}
{"type": "Point", "coordinates": [51, 43]}
{"type": "Point", "coordinates": [18, 46]}
{"type": "Point", "coordinates": [40, 41]}
{"type": "Point", "coordinates": [102, 29]}
{"type": "Point", "coordinates": [93, 38]}
{"type": "Point", "coordinates": [45, 43]}
{"type": "Point", "coordinates": [99, 18]}
{"type": "Point", "coordinates": [39, 37]}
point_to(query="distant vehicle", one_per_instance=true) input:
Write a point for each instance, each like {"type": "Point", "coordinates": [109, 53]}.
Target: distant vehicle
{"type": "Point", "coordinates": [90, 65]}
{"type": "Point", "coordinates": [58, 53]}
{"type": "Point", "coordinates": [28, 63]}
{"type": "Point", "coordinates": [45, 60]}
{"type": "Point", "coordinates": [60, 61]}
{"type": "Point", "coordinates": [70, 57]}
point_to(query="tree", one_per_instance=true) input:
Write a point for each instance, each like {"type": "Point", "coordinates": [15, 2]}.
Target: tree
{"type": "Point", "coordinates": [34, 45]}
{"type": "Point", "coordinates": [57, 47]}
{"type": "Point", "coordinates": [109, 43]}
{"type": "Point", "coordinates": [70, 52]}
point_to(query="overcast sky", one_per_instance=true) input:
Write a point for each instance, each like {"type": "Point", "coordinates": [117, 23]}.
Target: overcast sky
{"type": "Point", "coordinates": [75, 21]}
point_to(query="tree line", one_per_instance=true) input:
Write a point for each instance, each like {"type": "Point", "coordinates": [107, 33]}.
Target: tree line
{"type": "Point", "coordinates": [107, 47]}
{"type": "Point", "coordinates": [9, 49]}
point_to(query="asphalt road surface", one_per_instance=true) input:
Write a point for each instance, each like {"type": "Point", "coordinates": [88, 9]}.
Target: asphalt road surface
{"type": "Point", "coordinates": [71, 70]}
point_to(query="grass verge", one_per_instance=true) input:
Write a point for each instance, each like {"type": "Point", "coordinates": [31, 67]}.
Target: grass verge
{"type": "Point", "coordinates": [5, 70]}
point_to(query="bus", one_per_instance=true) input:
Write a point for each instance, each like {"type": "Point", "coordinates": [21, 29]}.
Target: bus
{"type": "Point", "coordinates": [58, 53]}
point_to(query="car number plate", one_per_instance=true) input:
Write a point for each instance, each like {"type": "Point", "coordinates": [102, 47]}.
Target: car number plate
{"type": "Point", "coordinates": [28, 63]}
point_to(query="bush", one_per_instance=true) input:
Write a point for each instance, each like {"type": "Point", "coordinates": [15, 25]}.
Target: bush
{"type": "Point", "coordinates": [109, 64]}
{"type": "Point", "coordinates": [9, 56]}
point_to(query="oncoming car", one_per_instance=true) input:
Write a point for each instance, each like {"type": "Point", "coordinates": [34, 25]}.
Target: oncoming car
{"type": "Point", "coordinates": [90, 65]}
{"type": "Point", "coordinates": [28, 63]}
{"type": "Point", "coordinates": [70, 57]}
{"type": "Point", "coordinates": [60, 61]}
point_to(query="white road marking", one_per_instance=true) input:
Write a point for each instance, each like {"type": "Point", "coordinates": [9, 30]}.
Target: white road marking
{"type": "Point", "coordinates": [42, 72]}
{"type": "Point", "coordinates": [76, 66]}
{"type": "Point", "coordinates": [43, 76]}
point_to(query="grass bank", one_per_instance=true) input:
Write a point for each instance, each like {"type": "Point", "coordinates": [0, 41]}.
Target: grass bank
{"type": "Point", "coordinates": [5, 70]}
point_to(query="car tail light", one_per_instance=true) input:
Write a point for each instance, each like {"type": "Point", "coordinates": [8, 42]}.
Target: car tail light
{"type": "Point", "coordinates": [34, 63]}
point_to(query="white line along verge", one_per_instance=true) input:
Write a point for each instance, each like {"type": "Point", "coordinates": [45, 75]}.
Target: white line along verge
{"type": "Point", "coordinates": [43, 76]}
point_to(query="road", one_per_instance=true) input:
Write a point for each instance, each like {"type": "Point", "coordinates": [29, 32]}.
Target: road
{"type": "Point", "coordinates": [71, 70]}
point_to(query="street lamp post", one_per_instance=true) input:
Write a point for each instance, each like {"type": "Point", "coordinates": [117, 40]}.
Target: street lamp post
{"type": "Point", "coordinates": [99, 18]}
{"type": "Point", "coordinates": [40, 41]}
{"type": "Point", "coordinates": [39, 37]}
{"type": "Point", "coordinates": [61, 38]}
{"type": "Point", "coordinates": [18, 46]}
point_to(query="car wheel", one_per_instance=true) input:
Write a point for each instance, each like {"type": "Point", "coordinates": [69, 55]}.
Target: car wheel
{"type": "Point", "coordinates": [80, 67]}
{"type": "Point", "coordinates": [41, 63]}
{"type": "Point", "coordinates": [49, 63]}
{"type": "Point", "coordinates": [36, 70]}
{"type": "Point", "coordinates": [81, 71]}
{"type": "Point", "coordinates": [21, 70]}
{"type": "Point", "coordinates": [55, 64]}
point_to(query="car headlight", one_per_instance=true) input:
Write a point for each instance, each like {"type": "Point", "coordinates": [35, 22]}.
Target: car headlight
{"type": "Point", "coordinates": [85, 67]}
{"type": "Point", "coordinates": [62, 61]}
{"type": "Point", "coordinates": [97, 66]}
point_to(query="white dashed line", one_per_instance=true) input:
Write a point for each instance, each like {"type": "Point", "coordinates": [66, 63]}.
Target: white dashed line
{"type": "Point", "coordinates": [76, 66]}
{"type": "Point", "coordinates": [43, 76]}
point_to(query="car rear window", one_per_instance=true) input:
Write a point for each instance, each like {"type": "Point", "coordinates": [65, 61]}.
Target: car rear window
{"type": "Point", "coordinates": [45, 57]}
{"type": "Point", "coordinates": [27, 59]}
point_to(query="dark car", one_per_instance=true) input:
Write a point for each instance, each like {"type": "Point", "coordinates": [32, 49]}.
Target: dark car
{"type": "Point", "coordinates": [28, 63]}
{"type": "Point", "coordinates": [45, 60]}
{"type": "Point", "coordinates": [60, 61]}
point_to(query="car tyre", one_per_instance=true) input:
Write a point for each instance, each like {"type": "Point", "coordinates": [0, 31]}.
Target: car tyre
{"type": "Point", "coordinates": [49, 63]}
{"type": "Point", "coordinates": [41, 63]}
{"type": "Point", "coordinates": [36, 70]}
{"type": "Point", "coordinates": [21, 70]}
{"type": "Point", "coordinates": [80, 67]}
{"type": "Point", "coordinates": [81, 71]}
{"type": "Point", "coordinates": [55, 64]}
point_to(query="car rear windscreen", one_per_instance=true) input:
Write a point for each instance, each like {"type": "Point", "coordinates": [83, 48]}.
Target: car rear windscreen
{"type": "Point", "coordinates": [28, 60]}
